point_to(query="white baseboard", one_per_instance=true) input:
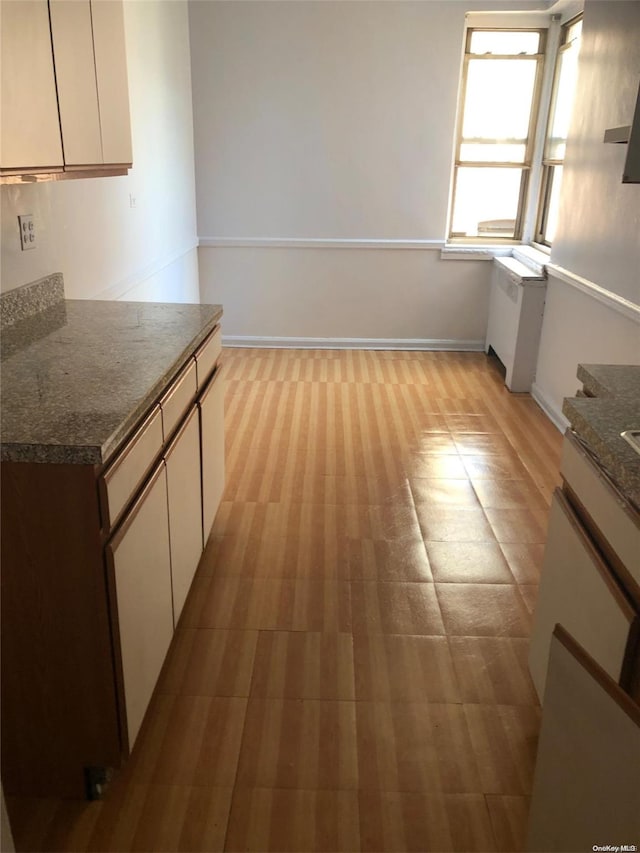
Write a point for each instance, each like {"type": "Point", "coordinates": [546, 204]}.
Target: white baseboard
{"type": "Point", "coordinates": [551, 411]}
{"type": "Point", "coordinates": [421, 344]}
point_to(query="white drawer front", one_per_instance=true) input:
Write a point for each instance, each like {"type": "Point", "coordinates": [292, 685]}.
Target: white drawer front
{"type": "Point", "coordinates": [177, 399]}
{"type": "Point", "coordinates": [614, 520]}
{"type": "Point", "coordinates": [127, 472]}
{"type": "Point", "coordinates": [207, 356]}
{"type": "Point", "coordinates": [578, 592]}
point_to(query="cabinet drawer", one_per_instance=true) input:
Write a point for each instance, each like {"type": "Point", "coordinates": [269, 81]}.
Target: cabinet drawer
{"type": "Point", "coordinates": [211, 405]}
{"type": "Point", "coordinates": [207, 355]}
{"type": "Point", "coordinates": [175, 402]}
{"type": "Point", "coordinates": [123, 477]}
{"type": "Point", "coordinates": [615, 520]}
{"type": "Point", "coordinates": [578, 592]}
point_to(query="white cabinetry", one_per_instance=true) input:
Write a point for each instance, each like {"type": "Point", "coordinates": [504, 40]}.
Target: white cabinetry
{"type": "Point", "coordinates": [140, 559]}
{"type": "Point", "coordinates": [65, 100]}
{"type": "Point", "coordinates": [71, 31]}
{"type": "Point", "coordinates": [589, 580]}
{"type": "Point", "coordinates": [211, 405]}
{"type": "Point", "coordinates": [586, 789]}
{"type": "Point", "coordinates": [111, 79]}
{"type": "Point", "coordinates": [30, 127]}
{"type": "Point", "coordinates": [121, 479]}
{"type": "Point", "coordinates": [182, 459]}
{"type": "Point", "coordinates": [578, 592]}
{"type": "Point", "coordinates": [156, 521]}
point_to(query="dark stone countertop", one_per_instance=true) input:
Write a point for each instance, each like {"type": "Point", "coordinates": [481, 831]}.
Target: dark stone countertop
{"type": "Point", "coordinates": [600, 419]}
{"type": "Point", "coordinates": [77, 376]}
{"type": "Point", "coordinates": [610, 380]}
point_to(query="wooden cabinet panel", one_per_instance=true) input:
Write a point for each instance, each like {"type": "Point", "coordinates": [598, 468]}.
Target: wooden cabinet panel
{"type": "Point", "coordinates": [139, 558]}
{"type": "Point", "coordinates": [185, 509]}
{"type": "Point", "coordinates": [211, 404]}
{"type": "Point", "coordinates": [72, 36]}
{"type": "Point", "coordinates": [586, 788]}
{"type": "Point", "coordinates": [58, 690]}
{"type": "Point", "coordinates": [577, 591]}
{"type": "Point", "coordinates": [30, 126]}
{"type": "Point", "coordinates": [111, 76]}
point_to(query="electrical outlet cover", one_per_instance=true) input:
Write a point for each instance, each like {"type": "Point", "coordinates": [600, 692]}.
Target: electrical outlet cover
{"type": "Point", "coordinates": [27, 232]}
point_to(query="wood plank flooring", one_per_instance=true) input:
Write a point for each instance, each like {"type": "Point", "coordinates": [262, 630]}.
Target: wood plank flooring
{"type": "Point", "coordinates": [350, 672]}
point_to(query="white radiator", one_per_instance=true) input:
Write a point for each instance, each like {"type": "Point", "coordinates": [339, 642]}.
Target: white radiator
{"type": "Point", "coordinates": [516, 307]}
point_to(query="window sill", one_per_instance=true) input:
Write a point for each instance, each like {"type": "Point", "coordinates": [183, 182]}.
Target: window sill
{"type": "Point", "coordinates": [532, 257]}
{"type": "Point", "coordinates": [473, 252]}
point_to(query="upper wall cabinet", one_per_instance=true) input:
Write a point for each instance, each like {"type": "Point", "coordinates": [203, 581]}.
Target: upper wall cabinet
{"type": "Point", "coordinates": [30, 127]}
{"type": "Point", "coordinates": [111, 80]}
{"type": "Point", "coordinates": [65, 100]}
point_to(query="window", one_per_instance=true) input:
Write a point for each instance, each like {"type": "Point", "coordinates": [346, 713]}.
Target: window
{"type": "Point", "coordinates": [564, 85]}
{"type": "Point", "coordinates": [501, 83]}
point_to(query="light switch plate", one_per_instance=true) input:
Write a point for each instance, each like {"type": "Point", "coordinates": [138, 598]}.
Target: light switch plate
{"type": "Point", "coordinates": [27, 232]}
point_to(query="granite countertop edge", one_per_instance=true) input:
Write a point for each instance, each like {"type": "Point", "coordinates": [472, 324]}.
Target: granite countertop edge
{"type": "Point", "coordinates": [108, 448]}
{"type": "Point", "coordinates": [599, 422]}
{"type": "Point", "coordinates": [100, 454]}
{"type": "Point", "coordinates": [614, 381]}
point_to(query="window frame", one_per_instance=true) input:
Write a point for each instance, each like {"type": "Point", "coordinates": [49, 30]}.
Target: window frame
{"type": "Point", "coordinates": [550, 164]}
{"type": "Point", "coordinates": [524, 166]}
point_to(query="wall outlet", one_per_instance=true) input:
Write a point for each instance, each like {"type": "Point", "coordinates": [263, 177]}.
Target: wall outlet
{"type": "Point", "coordinates": [27, 232]}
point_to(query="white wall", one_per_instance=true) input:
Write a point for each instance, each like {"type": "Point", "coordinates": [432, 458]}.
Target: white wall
{"type": "Point", "coordinates": [86, 228]}
{"type": "Point", "coordinates": [577, 329]}
{"type": "Point", "coordinates": [326, 121]}
{"type": "Point", "coordinates": [598, 236]}
{"type": "Point", "coordinates": [349, 295]}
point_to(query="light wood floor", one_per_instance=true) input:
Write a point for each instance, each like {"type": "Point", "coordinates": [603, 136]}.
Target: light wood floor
{"type": "Point", "coordinates": [350, 672]}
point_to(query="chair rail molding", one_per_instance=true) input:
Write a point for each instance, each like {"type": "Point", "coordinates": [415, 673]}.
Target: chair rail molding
{"type": "Point", "coordinates": [601, 294]}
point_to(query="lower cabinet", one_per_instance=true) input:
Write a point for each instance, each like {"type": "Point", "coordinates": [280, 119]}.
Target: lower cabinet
{"type": "Point", "coordinates": [182, 459]}
{"type": "Point", "coordinates": [586, 789]}
{"type": "Point", "coordinates": [97, 563]}
{"type": "Point", "coordinates": [139, 558]}
{"type": "Point", "coordinates": [211, 405]}
{"type": "Point", "coordinates": [578, 591]}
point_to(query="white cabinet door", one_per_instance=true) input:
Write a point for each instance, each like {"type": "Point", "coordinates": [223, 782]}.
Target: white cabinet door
{"type": "Point", "coordinates": [30, 127]}
{"type": "Point", "coordinates": [185, 519]}
{"type": "Point", "coordinates": [578, 591]}
{"type": "Point", "coordinates": [111, 75]}
{"type": "Point", "coordinates": [72, 35]}
{"type": "Point", "coordinates": [586, 788]}
{"type": "Point", "coordinates": [140, 559]}
{"type": "Point", "coordinates": [211, 404]}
